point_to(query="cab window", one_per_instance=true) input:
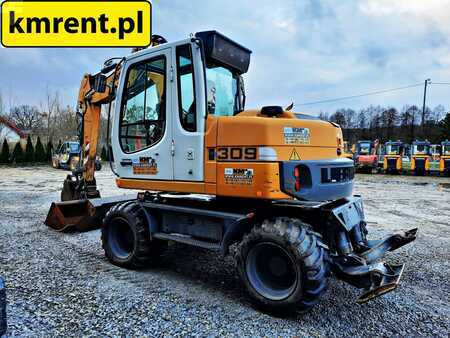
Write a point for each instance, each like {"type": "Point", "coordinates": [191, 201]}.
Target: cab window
{"type": "Point", "coordinates": [222, 91]}
{"type": "Point", "coordinates": [142, 121]}
{"type": "Point", "coordinates": [186, 88]}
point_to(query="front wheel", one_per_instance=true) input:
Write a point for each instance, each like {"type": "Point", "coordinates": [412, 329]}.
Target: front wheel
{"type": "Point", "coordinates": [126, 239]}
{"type": "Point", "coordinates": [282, 266]}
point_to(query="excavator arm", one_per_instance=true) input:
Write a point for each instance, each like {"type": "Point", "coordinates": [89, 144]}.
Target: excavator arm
{"type": "Point", "coordinates": [95, 91]}
{"type": "Point", "coordinates": [81, 207]}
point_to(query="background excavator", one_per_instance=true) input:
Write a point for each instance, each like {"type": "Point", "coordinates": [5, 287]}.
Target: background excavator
{"type": "Point", "coordinates": [420, 157]}
{"type": "Point", "coordinates": [366, 156]}
{"type": "Point", "coordinates": [444, 163]}
{"type": "Point", "coordinates": [392, 162]}
{"type": "Point", "coordinates": [213, 174]}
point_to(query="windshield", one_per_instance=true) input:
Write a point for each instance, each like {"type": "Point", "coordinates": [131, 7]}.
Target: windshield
{"type": "Point", "coordinates": [364, 148]}
{"type": "Point", "coordinates": [421, 149]}
{"type": "Point", "coordinates": [74, 147]}
{"type": "Point", "coordinates": [222, 90]}
{"type": "Point", "coordinates": [446, 149]}
{"type": "Point", "coordinates": [393, 149]}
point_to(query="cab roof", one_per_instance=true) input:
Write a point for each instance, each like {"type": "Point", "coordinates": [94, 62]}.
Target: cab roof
{"type": "Point", "coordinates": [417, 142]}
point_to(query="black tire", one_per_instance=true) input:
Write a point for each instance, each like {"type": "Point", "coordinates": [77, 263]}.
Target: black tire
{"type": "Point", "coordinates": [278, 285]}
{"type": "Point", "coordinates": [68, 192]}
{"type": "Point", "coordinates": [3, 321]}
{"type": "Point", "coordinates": [126, 237]}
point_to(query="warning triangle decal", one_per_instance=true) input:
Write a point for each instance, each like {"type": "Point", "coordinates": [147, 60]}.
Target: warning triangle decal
{"type": "Point", "coordinates": [294, 156]}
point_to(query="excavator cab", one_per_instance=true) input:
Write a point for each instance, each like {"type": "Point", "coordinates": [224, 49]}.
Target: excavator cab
{"type": "Point", "coordinates": [394, 151]}
{"type": "Point", "coordinates": [444, 163]}
{"type": "Point", "coordinates": [366, 157]}
{"type": "Point", "coordinates": [166, 93]}
{"type": "Point", "coordinates": [435, 160]}
{"type": "Point", "coordinates": [420, 157]}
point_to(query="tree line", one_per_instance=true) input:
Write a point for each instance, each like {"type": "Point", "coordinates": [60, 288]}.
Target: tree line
{"type": "Point", "coordinates": [34, 153]}
{"type": "Point", "coordinates": [388, 123]}
{"type": "Point", "coordinates": [50, 123]}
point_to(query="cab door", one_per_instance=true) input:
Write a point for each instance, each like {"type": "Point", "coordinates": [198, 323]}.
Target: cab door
{"type": "Point", "coordinates": [189, 113]}
{"type": "Point", "coordinates": [142, 133]}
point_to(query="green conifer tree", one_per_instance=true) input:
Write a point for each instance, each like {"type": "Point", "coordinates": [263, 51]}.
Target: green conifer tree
{"type": "Point", "coordinates": [39, 152]}
{"type": "Point", "coordinates": [18, 156]}
{"type": "Point", "coordinates": [29, 151]}
{"type": "Point", "coordinates": [4, 155]}
{"type": "Point", "coordinates": [49, 151]}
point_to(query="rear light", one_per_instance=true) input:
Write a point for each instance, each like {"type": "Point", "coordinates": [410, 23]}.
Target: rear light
{"type": "Point", "coordinates": [297, 178]}
{"type": "Point", "coordinates": [297, 173]}
{"type": "Point", "coordinates": [339, 146]}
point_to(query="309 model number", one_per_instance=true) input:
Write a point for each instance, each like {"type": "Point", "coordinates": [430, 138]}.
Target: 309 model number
{"type": "Point", "coordinates": [237, 153]}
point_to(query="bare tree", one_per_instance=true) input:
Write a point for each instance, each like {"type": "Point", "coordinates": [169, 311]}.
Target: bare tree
{"type": "Point", "coordinates": [324, 116]}
{"type": "Point", "coordinates": [389, 119]}
{"type": "Point", "coordinates": [438, 113]}
{"type": "Point", "coordinates": [26, 117]}
{"type": "Point", "coordinates": [339, 118]}
{"type": "Point", "coordinates": [52, 107]}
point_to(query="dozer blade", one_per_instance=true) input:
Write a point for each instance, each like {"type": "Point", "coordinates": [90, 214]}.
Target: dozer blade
{"type": "Point", "coordinates": [81, 215]}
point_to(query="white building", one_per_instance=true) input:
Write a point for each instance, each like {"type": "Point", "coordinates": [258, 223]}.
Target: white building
{"type": "Point", "coordinates": [10, 131]}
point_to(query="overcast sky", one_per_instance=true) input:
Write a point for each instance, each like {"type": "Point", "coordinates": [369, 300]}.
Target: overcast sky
{"type": "Point", "coordinates": [303, 51]}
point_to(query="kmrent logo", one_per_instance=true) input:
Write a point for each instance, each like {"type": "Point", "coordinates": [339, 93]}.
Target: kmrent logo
{"type": "Point", "coordinates": [87, 23]}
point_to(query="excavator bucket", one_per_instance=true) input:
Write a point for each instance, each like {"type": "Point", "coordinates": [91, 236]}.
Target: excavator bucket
{"type": "Point", "coordinates": [81, 215]}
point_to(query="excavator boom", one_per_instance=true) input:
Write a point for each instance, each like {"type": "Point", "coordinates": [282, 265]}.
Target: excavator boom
{"type": "Point", "coordinates": [81, 207]}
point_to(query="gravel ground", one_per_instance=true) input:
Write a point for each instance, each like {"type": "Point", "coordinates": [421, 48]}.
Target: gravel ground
{"type": "Point", "coordinates": [62, 285]}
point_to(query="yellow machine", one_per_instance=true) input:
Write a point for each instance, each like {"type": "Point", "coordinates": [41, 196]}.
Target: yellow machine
{"type": "Point", "coordinates": [420, 157]}
{"type": "Point", "coordinates": [444, 163]}
{"type": "Point", "coordinates": [435, 158]}
{"type": "Point", "coordinates": [213, 174]}
{"type": "Point", "coordinates": [347, 152]}
{"type": "Point", "coordinates": [394, 151]}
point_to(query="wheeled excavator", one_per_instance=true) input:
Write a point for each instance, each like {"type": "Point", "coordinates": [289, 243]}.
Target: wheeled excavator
{"type": "Point", "coordinates": [271, 184]}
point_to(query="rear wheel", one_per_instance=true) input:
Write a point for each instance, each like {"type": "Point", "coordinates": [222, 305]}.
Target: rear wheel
{"type": "Point", "coordinates": [98, 166]}
{"type": "Point", "coordinates": [55, 164]}
{"type": "Point", "coordinates": [282, 266]}
{"type": "Point", "coordinates": [126, 238]}
{"type": "Point", "coordinates": [68, 192]}
{"type": "Point", "coordinates": [73, 164]}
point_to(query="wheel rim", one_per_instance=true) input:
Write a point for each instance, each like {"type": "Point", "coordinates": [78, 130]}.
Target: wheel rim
{"type": "Point", "coordinates": [121, 238]}
{"type": "Point", "coordinates": [271, 271]}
